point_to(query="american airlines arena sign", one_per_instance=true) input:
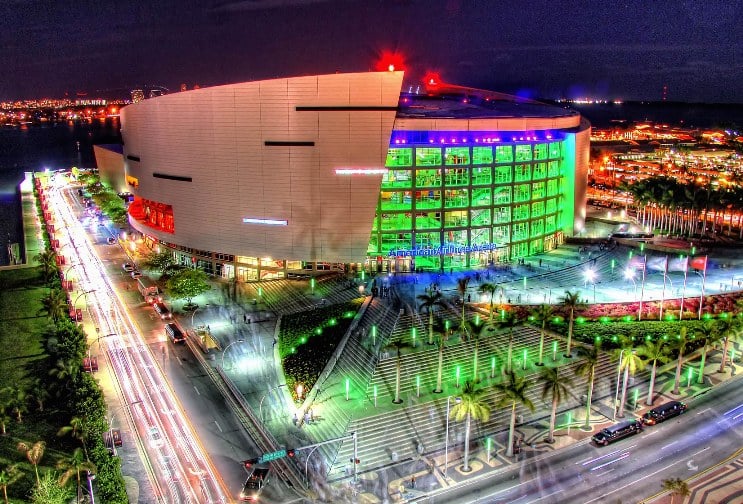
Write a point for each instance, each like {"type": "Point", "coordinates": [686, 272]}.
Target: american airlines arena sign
{"type": "Point", "coordinates": [443, 250]}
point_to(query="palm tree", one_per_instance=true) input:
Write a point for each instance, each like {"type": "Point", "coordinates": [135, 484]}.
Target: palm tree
{"type": "Point", "coordinates": [475, 330]}
{"type": "Point", "coordinates": [488, 288]}
{"type": "Point", "coordinates": [65, 370]}
{"type": "Point", "coordinates": [76, 429]}
{"type": "Point", "coordinates": [589, 358]}
{"type": "Point", "coordinates": [429, 302]}
{"type": "Point", "coordinates": [47, 261]}
{"type": "Point", "coordinates": [728, 328]}
{"type": "Point", "coordinates": [462, 284]}
{"type": "Point", "coordinates": [18, 402]}
{"type": "Point", "coordinates": [398, 346]}
{"type": "Point", "coordinates": [708, 332]}
{"type": "Point", "coordinates": [72, 466]}
{"type": "Point", "coordinates": [571, 300]}
{"type": "Point", "coordinates": [39, 393]}
{"type": "Point", "coordinates": [555, 386]}
{"type": "Point", "coordinates": [542, 314]}
{"type": "Point", "coordinates": [680, 345]}
{"type": "Point", "coordinates": [33, 453]}
{"type": "Point", "coordinates": [629, 362]}
{"type": "Point", "coordinates": [439, 328]}
{"type": "Point", "coordinates": [513, 392]}
{"type": "Point", "coordinates": [676, 486]}
{"type": "Point", "coordinates": [8, 476]}
{"type": "Point", "coordinates": [509, 321]}
{"type": "Point", "coordinates": [472, 406]}
{"type": "Point", "coordinates": [655, 352]}
{"type": "Point", "coordinates": [54, 305]}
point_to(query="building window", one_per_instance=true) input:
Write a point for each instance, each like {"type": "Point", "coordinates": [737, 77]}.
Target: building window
{"type": "Point", "coordinates": [428, 220]}
{"type": "Point", "coordinates": [537, 209]}
{"type": "Point", "coordinates": [540, 171]}
{"type": "Point", "coordinates": [455, 219]}
{"type": "Point", "coordinates": [503, 174]}
{"type": "Point", "coordinates": [396, 200]}
{"type": "Point", "coordinates": [396, 221]}
{"type": "Point", "coordinates": [482, 196]}
{"type": "Point", "coordinates": [457, 177]}
{"type": "Point", "coordinates": [427, 240]}
{"type": "Point", "coordinates": [523, 152]}
{"type": "Point", "coordinates": [550, 223]}
{"type": "Point", "coordinates": [480, 236]}
{"type": "Point", "coordinates": [551, 206]}
{"type": "Point", "coordinates": [552, 187]}
{"type": "Point", "coordinates": [521, 192]}
{"type": "Point", "coordinates": [457, 156]}
{"type": "Point", "coordinates": [522, 172]}
{"type": "Point", "coordinates": [427, 200]}
{"type": "Point", "coordinates": [428, 178]}
{"type": "Point", "coordinates": [554, 150]}
{"type": "Point", "coordinates": [396, 179]}
{"type": "Point", "coordinates": [482, 155]}
{"type": "Point", "coordinates": [520, 231]}
{"type": "Point", "coordinates": [503, 154]}
{"type": "Point", "coordinates": [480, 217]}
{"type": "Point", "coordinates": [537, 190]}
{"type": "Point", "coordinates": [392, 241]}
{"type": "Point", "coordinates": [537, 228]}
{"type": "Point", "coordinates": [428, 156]}
{"type": "Point", "coordinates": [553, 169]}
{"type": "Point", "coordinates": [521, 212]}
{"type": "Point", "coordinates": [502, 215]}
{"type": "Point", "coordinates": [458, 198]}
{"type": "Point", "coordinates": [482, 175]}
{"type": "Point", "coordinates": [501, 234]}
{"type": "Point", "coordinates": [502, 195]}
{"type": "Point", "coordinates": [540, 151]}
{"type": "Point", "coordinates": [399, 157]}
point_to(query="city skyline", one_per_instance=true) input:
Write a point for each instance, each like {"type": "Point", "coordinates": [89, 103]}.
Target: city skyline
{"type": "Point", "coordinates": [628, 51]}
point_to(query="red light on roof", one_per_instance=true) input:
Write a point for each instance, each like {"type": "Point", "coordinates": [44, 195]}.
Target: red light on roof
{"type": "Point", "coordinates": [389, 62]}
{"type": "Point", "coordinates": [431, 79]}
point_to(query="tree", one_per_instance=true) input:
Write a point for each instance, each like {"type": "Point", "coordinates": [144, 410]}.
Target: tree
{"type": "Point", "coordinates": [54, 305]}
{"type": "Point", "coordinates": [76, 429]}
{"type": "Point", "coordinates": [398, 345]}
{"type": "Point", "coordinates": [159, 262]}
{"type": "Point", "coordinates": [187, 284]}
{"type": "Point", "coordinates": [5, 403]}
{"type": "Point", "coordinates": [513, 392]}
{"type": "Point", "coordinates": [462, 284]}
{"type": "Point", "coordinates": [708, 332]}
{"type": "Point", "coordinates": [542, 315]}
{"type": "Point", "coordinates": [472, 406]}
{"type": "Point", "coordinates": [488, 288]}
{"type": "Point", "coordinates": [510, 321]}
{"type": "Point", "coordinates": [18, 402]}
{"type": "Point", "coordinates": [676, 486]}
{"type": "Point", "coordinates": [589, 358]}
{"type": "Point", "coordinates": [475, 330]}
{"type": "Point", "coordinates": [571, 300]}
{"type": "Point", "coordinates": [65, 371]}
{"type": "Point", "coordinates": [556, 387]}
{"type": "Point", "coordinates": [629, 362]}
{"type": "Point", "coordinates": [440, 329]}
{"type": "Point", "coordinates": [48, 491]}
{"type": "Point", "coordinates": [72, 465]}
{"type": "Point", "coordinates": [655, 352]}
{"type": "Point", "coordinates": [429, 302]}
{"type": "Point", "coordinates": [8, 476]}
{"type": "Point", "coordinates": [679, 345]}
{"type": "Point", "coordinates": [39, 393]}
{"type": "Point", "coordinates": [48, 263]}
{"type": "Point", "coordinates": [33, 453]}
{"type": "Point", "coordinates": [729, 329]}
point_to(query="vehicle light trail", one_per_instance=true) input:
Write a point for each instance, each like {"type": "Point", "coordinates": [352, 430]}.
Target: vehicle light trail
{"type": "Point", "coordinates": [183, 472]}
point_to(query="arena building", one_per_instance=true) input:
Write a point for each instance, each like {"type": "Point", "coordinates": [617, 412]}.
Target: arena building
{"type": "Point", "coordinates": [275, 178]}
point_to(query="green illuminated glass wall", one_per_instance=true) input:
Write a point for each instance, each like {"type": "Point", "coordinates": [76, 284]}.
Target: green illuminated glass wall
{"type": "Point", "coordinates": [515, 195]}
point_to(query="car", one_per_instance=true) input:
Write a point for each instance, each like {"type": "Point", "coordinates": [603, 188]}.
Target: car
{"type": "Point", "coordinates": [90, 365]}
{"type": "Point", "coordinates": [156, 440]}
{"type": "Point", "coordinates": [115, 434]}
{"type": "Point", "coordinates": [136, 274]}
{"type": "Point", "coordinates": [111, 240]}
{"type": "Point", "coordinates": [128, 267]}
{"type": "Point", "coordinates": [617, 432]}
{"type": "Point", "coordinates": [254, 484]}
{"type": "Point", "coordinates": [162, 310]}
{"type": "Point", "coordinates": [174, 334]}
{"type": "Point", "coordinates": [663, 412]}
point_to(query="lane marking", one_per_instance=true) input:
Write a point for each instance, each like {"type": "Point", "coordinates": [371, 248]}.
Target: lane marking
{"type": "Point", "coordinates": [624, 456]}
{"type": "Point", "coordinates": [218, 427]}
{"type": "Point", "coordinates": [700, 451]}
{"type": "Point", "coordinates": [703, 411]}
{"type": "Point", "coordinates": [545, 496]}
{"type": "Point", "coordinates": [632, 483]}
{"type": "Point", "coordinates": [606, 455]}
{"type": "Point", "coordinates": [731, 410]}
{"type": "Point", "coordinates": [197, 390]}
{"type": "Point", "coordinates": [650, 433]}
{"type": "Point", "coordinates": [669, 444]}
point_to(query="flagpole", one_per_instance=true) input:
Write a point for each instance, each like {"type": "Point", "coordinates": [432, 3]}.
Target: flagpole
{"type": "Point", "coordinates": [704, 280]}
{"type": "Point", "coordinates": [663, 295]}
{"type": "Point", "coordinates": [683, 292]}
{"type": "Point", "coordinates": [642, 290]}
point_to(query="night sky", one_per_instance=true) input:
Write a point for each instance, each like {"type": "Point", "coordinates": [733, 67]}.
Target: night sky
{"type": "Point", "coordinates": [547, 49]}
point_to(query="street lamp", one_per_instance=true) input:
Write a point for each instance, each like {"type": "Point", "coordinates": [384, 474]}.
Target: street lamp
{"type": "Point", "coordinates": [446, 443]}
{"type": "Point", "coordinates": [111, 423]}
{"type": "Point", "coordinates": [228, 346]}
{"type": "Point", "coordinates": [96, 341]}
{"type": "Point", "coordinates": [616, 395]}
{"type": "Point", "coordinates": [260, 403]}
{"type": "Point", "coordinates": [194, 313]}
{"type": "Point", "coordinates": [74, 305]}
{"type": "Point", "coordinates": [629, 274]}
{"type": "Point", "coordinates": [590, 276]}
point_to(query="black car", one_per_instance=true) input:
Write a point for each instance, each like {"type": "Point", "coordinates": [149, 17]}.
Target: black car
{"type": "Point", "coordinates": [663, 412]}
{"type": "Point", "coordinates": [617, 431]}
{"type": "Point", "coordinates": [254, 485]}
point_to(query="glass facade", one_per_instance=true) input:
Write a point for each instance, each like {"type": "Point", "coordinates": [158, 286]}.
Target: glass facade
{"type": "Point", "coordinates": [454, 203]}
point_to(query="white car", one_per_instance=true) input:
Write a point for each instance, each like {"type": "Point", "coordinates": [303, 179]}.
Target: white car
{"type": "Point", "coordinates": [128, 266]}
{"type": "Point", "coordinates": [156, 440]}
{"type": "Point", "coordinates": [136, 274]}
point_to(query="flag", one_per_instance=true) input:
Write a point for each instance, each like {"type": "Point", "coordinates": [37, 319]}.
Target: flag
{"type": "Point", "coordinates": [698, 263]}
{"type": "Point", "coordinates": [657, 263]}
{"type": "Point", "coordinates": [637, 262]}
{"type": "Point", "coordinates": [678, 264]}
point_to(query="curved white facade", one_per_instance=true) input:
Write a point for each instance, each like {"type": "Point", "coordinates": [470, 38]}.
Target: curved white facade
{"type": "Point", "coordinates": [250, 169]}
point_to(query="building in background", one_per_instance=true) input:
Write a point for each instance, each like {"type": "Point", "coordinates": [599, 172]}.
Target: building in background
{"type": "Point", "coordinates": [263, 179]}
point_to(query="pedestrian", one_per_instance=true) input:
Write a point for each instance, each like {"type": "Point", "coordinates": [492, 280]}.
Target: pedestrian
{"type": "Point", "coordinates": [307, 419]}
{"type": "Point", "coordinates": [245, 318]}
{"type": "Point", "coordinates": [540, 263]}
{"type": "Point", "coordinates": [412, 481]}
{"type": "Point", "coordinates": [295, 419]}
{"type": "Point", "coordinates": [274, 343]}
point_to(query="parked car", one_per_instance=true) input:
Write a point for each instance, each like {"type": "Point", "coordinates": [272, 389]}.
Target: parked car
{"type": "Point", "coordinates": [617, 431]}
{"type": "Point", "coordinates": [663, 412]}
{"type": "Point", "coordinates": [163, 311]}
{"type": "Point", "coordinates": [111, 240]}
{"type": "Point", "coordinates": [90, 365]}
{"type": "Point", "coordinates": [136, 274]}
{"type": "Point", "coordinates": [128, 267]}
{"type": "Point", "coordinates": [174, 333]}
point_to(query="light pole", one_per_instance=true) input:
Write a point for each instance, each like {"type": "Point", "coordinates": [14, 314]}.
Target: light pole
{"type": "Point", "coordinates": [616, 395]}
{"type": "Point", "coordinates": [629, 274]}
{"type": "Point", "coordinates": [194, 313]}
{"type": "Point", "coordinates": [74, 305]}
{"type": "Point", "coordinates": [91, 477]}
{"type": "Point", "coordinates": [96, 341]}
{"type": "Point", "coordinates": [260, 403]}
{"type": "Point", "coordinates": [590, 276]}
{"type": "Point", "coordinates": [446, 443]}
{"type": "Point", "coordinates": [228, 346]}
{"type": "Point", "coordinates": [111, 423]}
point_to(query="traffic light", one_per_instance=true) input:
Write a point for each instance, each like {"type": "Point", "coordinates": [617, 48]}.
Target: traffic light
{"type": "Point", "coordinates": [250, 462]}
{"type": "Point", "coordinates": [290, 453]}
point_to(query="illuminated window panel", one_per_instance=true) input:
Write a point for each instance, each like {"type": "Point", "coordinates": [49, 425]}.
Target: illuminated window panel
{"type": "Point", "coordinates": [392, 241]}
{"type": "Point", "coordinates": [397, 200]}
{"type": "Point", "coordinates": [519, 249]}
{"type": "Point", "coordinates": [503, 174]}
{"type": "Point", "coordinates": [427, 200]}
{"type": "Point", "coordinates": [397, 179]}
{"type": "Point", "coordinates": [456, 237]}
{"type": "Point", "coordinates": [550, 206]}
{"type": "Point", "coordinates": [552, 187]}
{"type": "Point", "coordinates": [482, 175]}
{"type": "Point", "coordinates": [428, 178]}
{"type": "Point", "coordinates": [553, 169]}
{"type": "Point", "coordinates": [540, 151]}
{"type": "Point", "coordinates": [536, 246]}
{"type": "Point", "coordinates": [504, 154]}
{"type": "Point", "coordinates": [428, 156]}
{"type": "Point", "coordinates": [396, 221]}
{"type": "Point", "coordinates": [428, 220]}
{"type": "Point", "coordinates": [550, 224]}
{"type": "Point", "coordinates": [537, 190]}
{"type": "Point", "coordinates": [455, 219]}
{"type": "Point", "coordinates": [480, 217]}
{"type": "Point", "coordinates": [521, 192]}
{"type": "Point", "coordinates": [554, 150]}
{"type": "Point", "coordinates": [482, 155]}
{"type": "Point", "coordinates": [399, 157]}
{"type": "Point", "coordinates": [521, 173]}
{"type": "Point", "coordinates": [523, 152]}
{"type": "Point", "coordinates": [457, 156]}
{"type": "Point", "coordinates": [521, 212]}
{"type": "Point", "coordinates": [457, 176]}
{"type": "Point", "coordinates": [540, 171]}
{"type": "Point", "coordinates": [537, 209]}
{"type": "Point", "coordinates": [537, 228]}
{"type": "Point", "coordinates": [482, 196]}
{"type": "Point", "coordinates": [502, 215]}
{"type": "Point", "coordinates": [479, 236]}
{"type": "Point", "coordinates": [520, 231]}
{"type": "Point", "coordinates": [501, 234]}
{"type": "Point", "coordinates": [458, 198]}
{"type": "Point", "coordinates": [427, 240]}
{"type": "Point", "coordinates": [502, 195]}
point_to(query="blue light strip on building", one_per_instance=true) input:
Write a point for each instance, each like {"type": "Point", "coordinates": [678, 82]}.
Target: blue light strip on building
{"type": "Point", "coordinates": [267, 222]}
